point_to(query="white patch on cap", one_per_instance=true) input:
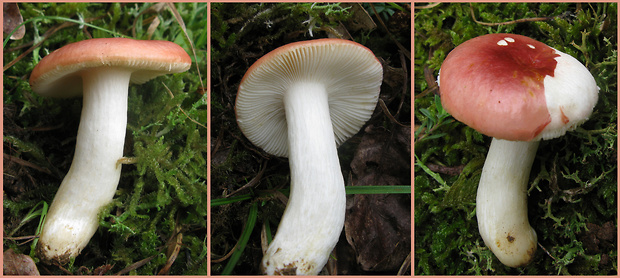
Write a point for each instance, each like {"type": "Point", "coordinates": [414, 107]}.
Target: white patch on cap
{"type": "Point", "coordinates": [571, 95]}
{"type": "Point", "coordinates": [505, 41]}
{"type": "Point", "coordinates": [531, 46]}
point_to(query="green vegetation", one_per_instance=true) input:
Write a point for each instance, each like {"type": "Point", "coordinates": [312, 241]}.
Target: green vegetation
{"type": "Point", "coordinates": [249, 186]}
{"type": "Point", "coordinates": [573, 185]}
{"type": "Point", "coordinates": [157, 221]}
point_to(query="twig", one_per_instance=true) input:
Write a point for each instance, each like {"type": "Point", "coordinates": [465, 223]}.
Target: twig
{"type": "Point", "coordinates": [403, 64]}
{"type": "Point", "coordinates": [227, 255]}
{"type": "Point", "coordinates": [252, 182]}
{"type": "Point", "coordinates": [179, 19]}
{"type": "Point", "coordinates": [27, 238]}
{"type": "Point", "coordinates": [136, 265]}
{"type": "Point", "coordinates": [182, 111]}
{"type": "Point", "coordinates": [386, 111]}
{"type": "Point", "coordinates": [26, 163]}
{"type": "Point", "coordinates": [45, 36]}
{"type": "Point", "coordinates": [543, 248]}
{"type": "Point", "coordinates": [175, 243]}
{"type": "Point", "coordinates": [429, 6]}
{"type": "Point", "coordinates": [404, 50]}
{"type": "Point", "coordinates": [405, 266]}
{"type": "Point", "coordinates": [521, 20]}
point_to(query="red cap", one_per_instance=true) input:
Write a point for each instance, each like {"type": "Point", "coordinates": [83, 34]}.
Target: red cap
{"type": "Point", "coordinates": [515, 88]}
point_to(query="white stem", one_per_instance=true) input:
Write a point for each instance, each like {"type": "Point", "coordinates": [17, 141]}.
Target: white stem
{"type": "Point", "coordinates": [93, 177]}
{"type": "Point", "coordinates": [314, 216]}
{"type": "Point", "coordinates": [501, 204]}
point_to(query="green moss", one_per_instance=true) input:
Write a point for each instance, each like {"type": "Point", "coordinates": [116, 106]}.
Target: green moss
{"type": "Point", "coordinates": [573, 180]}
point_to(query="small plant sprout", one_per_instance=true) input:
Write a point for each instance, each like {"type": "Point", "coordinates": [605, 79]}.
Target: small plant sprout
{"type": "Point", "coordinates": [301, 101]}
{"type": "Point", "coordinates": [100, 70]}
{"type": "Point", "coordinates": [518, 91]}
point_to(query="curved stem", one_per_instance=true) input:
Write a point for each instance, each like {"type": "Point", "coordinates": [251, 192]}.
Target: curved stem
{"type": "Point", "coordinates": [314, 216]}
{"type": "Point", "coordinates": [91, 181]}
{"type": "Point", "coordinates": [501, 204]}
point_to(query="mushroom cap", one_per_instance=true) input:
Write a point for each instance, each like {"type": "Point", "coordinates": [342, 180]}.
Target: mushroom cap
{"type": "Point", "coordinates": [515, 88]}
{"type": "Point", "coordinates": [349, 72]}
{"type": "Point", "coordinates": [58, 74]}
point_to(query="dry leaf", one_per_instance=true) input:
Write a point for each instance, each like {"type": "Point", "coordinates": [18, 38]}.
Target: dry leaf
{"type": "Point", "coordinates": [19, 264]}
{"type": "Point", "coordinates": [378, 227]}
{"type": "Point", "coordinates": [12, 19]}
{"type": "Point", "coordinates": [360, 20]}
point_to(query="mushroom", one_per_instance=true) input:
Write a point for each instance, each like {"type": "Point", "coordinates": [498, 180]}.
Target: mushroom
{"type": "Point", "coordinates": [518, 91]}
{"type": "Point", "coordinates": [301, 101]}
{"type": "Point", "coordinates": [102, 69]}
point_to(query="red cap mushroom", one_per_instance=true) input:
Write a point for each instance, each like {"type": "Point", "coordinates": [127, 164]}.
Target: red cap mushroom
{"type": "Point", "coordinates": [518, 91]}
{"type": "Point", "coordinates": [100, 70]}
{"type": "Point", "coordinates": [301, 101]}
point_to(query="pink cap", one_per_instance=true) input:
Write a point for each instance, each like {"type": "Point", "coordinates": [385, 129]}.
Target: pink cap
{"type": "Point", "coordinates": [515, 88]}
{"type": "Point", "coordinates": [58, 74]}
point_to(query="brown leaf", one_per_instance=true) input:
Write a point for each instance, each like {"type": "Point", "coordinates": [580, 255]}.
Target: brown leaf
{"type": "Point", "coordinates": [597, 239]}
{"type": "Point", "coordinates": [378, 227]}
{"type": "Point", "coordinates": [383, 157]}
{"type": "Point", "coordinates": [11, 19]}
{"type": "Point", "coordinates": [19, 264]}
{"type": "Point", "coordinates": [360, 19]}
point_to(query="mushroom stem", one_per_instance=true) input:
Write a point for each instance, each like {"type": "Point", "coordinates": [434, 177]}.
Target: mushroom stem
{"type": "Point", "coordinates": [314, 216]}
{"type": "Point", "coordinates": [91, 181]}
{"type": "Point", "coordinates": [502, 201]}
